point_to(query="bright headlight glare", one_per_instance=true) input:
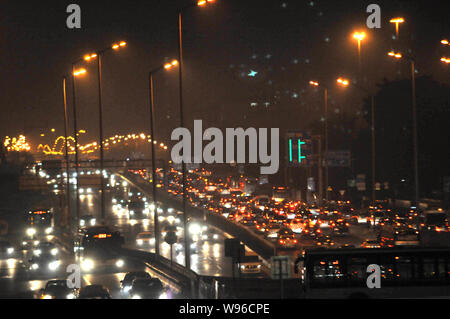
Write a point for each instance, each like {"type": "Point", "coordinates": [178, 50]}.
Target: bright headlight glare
{"type": "Point", "coordinates": [37, 252]}
{"type": "Point", "coordinates": [120, 263]}
{"type": "Point", "coordinates": [140, 241]}
{"type": "Point", "coordinates": [70, 296]}
{"type": "Point", "coordinates": [10, 250]}
{"type": "Point", "coordinates": [34, 266]}
{"type": "Point", "coordinates": [53, 265]}
{"type": "Point", "coordinates": [54, 251]}
{"type": "Point", "coordinates": [163, 296]}
{"type": "Point", "coordinates": [87, 264]}
{"type": "Point", "coordinates": [136, 297]}
{"type": "Point", "coordinates": [48, 230]}
{"type": "Point", "coordinates": [31, 231]}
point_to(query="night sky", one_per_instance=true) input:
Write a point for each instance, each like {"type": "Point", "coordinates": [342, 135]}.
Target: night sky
{"type": "Point", "coordinates": [247, 63]}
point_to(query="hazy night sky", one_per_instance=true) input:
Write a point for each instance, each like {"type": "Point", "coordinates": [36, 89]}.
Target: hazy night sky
{"type": "Point", "coordinates": [286, 42]}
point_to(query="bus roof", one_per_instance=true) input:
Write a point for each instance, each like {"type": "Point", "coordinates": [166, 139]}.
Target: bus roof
{"type": "Point", "coordinates": [351, 251]}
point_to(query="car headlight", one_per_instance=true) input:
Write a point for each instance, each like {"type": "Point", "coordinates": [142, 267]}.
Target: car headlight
{"type": "Point", "coordinates": [216, 236]}
{"type": "Point", "coordinates": [163, 296]}
{"type": "Point", "coordinates": [152, 241]}
{"type": "Point", "coordinates": [126, 288]}
{"type": "Point", "coordinates": [82, 223]}
{"type": "Point", "coordinates": [54, 251]}
{"type": "Point", "coordinates": [31, 232]}
{"type": "Point", "coordinates": [37, 252]}
{"type": "Point", "coordinates": [34, 266]}
{"type": "Point", "coordinates": [10, 250]}
{"type": "Point", "coordinates": [49, 230]}
{"type": "Point", "coordinates": [93, 221]}
{"type": "Point", "coordinates": [87, 264]}
{"type": "Point", "coordinates": [24, 243]}
{"type": "Point", "coordinates": [136, 297]}
{"type": "Point", "coordinates": [204, 237]}
{"type": "Point", "coordinates": [114, 201]}
{"type": "Point", "coordinates": [54, 265]}
{"type": "Point", "coordinates": [120, 263]}
{"type": "Point", "coordinates": [47, 297]}
{"type": "Point", "coordinates": [131, 212]}
{"type": "Point", "coordinates": [36, 242]}
{"type": "Point", "coordinates": [70, 296]}
{"type": "Point", "coordinates": [139, 242]}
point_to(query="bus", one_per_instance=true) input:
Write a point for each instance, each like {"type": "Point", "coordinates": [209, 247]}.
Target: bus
{"type": "Point", "coordinates": [407, 272]}
{"type": "Point", "coordinates": [39, 222]}
{"type": "Point", "coordinates": [97, 247]}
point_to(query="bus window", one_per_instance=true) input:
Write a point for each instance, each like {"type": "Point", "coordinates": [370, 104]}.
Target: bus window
{"type": "Point", "coordinates": [327, 272]}
{"type": "Point", "coordinates": [357, 269]}
{"type": "Point", "coordinates": [405, 267]}
{"type": "Point", "coordinates": [429, 270]}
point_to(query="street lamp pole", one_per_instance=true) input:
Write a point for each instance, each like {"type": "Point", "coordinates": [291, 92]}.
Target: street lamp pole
{"type": "Point", "coordinates": [326, 143]}
{"type": "Point", "coordinates": [152, 134]}
{"type": "Point", "coordinates": [100, 123]}
{"type": "Point", "coordinates": [415, 144]}
{"type": "Point", "coordinates": [66, 124]}
{"type": "Point", "coordinates": [183, 164]}
{"type": "Point", "coordinates": [75, 135]}
{"type": "Point", "coordinates": [372, 99]}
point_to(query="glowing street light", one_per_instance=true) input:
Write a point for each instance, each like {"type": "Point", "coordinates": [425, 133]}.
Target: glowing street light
{"type": "Point", "coordinates": [202, 3]}
{"type": "Point", "coordinates": [445, 60]}
{"type": "Point", "coordinates": [314, 83]}
{"type": "Point", "coordinates": [79, 72]}
{"type": "Point", "coordinates": [170, 65]}
{"type": "Point", "coordinates": [359, 36]}
{"type": "Point", "coordinates": [89, 57]}
{"type": "Point", "coordinates": [397, 21]}
{"type": "Point", "coordinates": [343, 82]}
{"type": "Point", "coordinates": [396, 55]}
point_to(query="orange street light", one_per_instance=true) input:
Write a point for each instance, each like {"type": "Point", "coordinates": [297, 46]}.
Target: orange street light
{"type": "Point", "coordinates": [202, 3]}
{"type": "Point", "coordinates": [79, 72]}
{"type": "Point", "coordinates": [445, 60]}
{"type": "Point", "coordinates": [396, 55]}
{"type": "Point", "coordinates": [89, 57]}
{"type": "Point", "coordinates": [359, 36]}
{"type": "Point", "coordinates": [313, 83]}
{"type": "Point", "coordinates": [170, 65]}
{"type": "Point", "coordinates": [117, 46]}
{"type": "Point", "coordinates": [397, 21]}
{"type": "Point", "coordinates": [343, 82]}
{"type": "Point", "coordinates": [445, 42]}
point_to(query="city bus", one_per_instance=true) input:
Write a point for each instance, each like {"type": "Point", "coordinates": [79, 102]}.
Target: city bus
{"type": "Point", "coordinates": [39, 222]}
{"type": "Point", "coordinates": [96, 247]}
{"type": "Point", "coordinates": [407, 272]}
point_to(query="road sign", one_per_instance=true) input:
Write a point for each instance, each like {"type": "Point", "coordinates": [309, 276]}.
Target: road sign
{"type": "Point", "coordinates": [299, 149]}
{"type": "Point", "coordinates": [280, 265]}
{"type": "Point", "coordinates": [171, 238]}
{"type": "Point", "coordinates": [339, 158]}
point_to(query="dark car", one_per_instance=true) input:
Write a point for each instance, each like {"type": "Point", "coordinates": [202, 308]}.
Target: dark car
{"type": "Point", "coordinates": [125, 284]}
{"type": "Point", "coordinates": [6, 249]}
{"type": "Point", "coordinates": [44, 263]}
{"type": "Point", "coordinates": [147, 289]}
{"type": "Point", "coordinates": [94, 292]}
{"type": "Point", "coordinates": [87, 221]}
{"type": "Point", "coordinates": [58, 289]}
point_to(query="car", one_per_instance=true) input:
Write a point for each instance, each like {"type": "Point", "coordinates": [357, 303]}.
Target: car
{"type": "Point", "coordinates": [44, 263]}
{"type": "Point", "coordinates": [210, 235]}
{"type": "Point", "coordinates": [325, 241]}
{"type": "Point", "coordinates": [94, 292]}
{"type": "Point", "coordinates": [87, 221]}
{"type": "Point", "coordinates": [136, 209]}
{"type": "Point", "coordinates": [45, 248]}
{"type": "Point", "coordinates": [6, 250]}
{"type": "Point", "coordinates": [127, 281]}
{"type": "Point", "coordinates": [57, 289]}
{"type": "Point", "coordinates": [145, 239]}
{"type": "Point", "coordinates": [371, 244]}
{"type": "Point", "coordinates": [147, 289]}
{"type": "Point", "coordinates": [29, 243]}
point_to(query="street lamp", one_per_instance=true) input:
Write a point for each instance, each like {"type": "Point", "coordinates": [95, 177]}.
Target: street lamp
{"type": "Point", "coordinates": [359, 36]}
{"type": "Point", "coordinates": [445, 42]}
{"type": "Point", "coordinates": [200, 3]}
{"type": "Point", "coordinates": [397, 21]}
{"type": "Point", "coordinates": [166, 66]}
{"type": "Point", "coordinates": [346, 83]}
{"type": "Point", "coordinates": [316, 84]}
{"type": "Point", "coordinates": [445, 60]}
{"type": "Point", "coordinates": [414, 113]}
{"type": "Point", "coordinates": [88, 58]}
